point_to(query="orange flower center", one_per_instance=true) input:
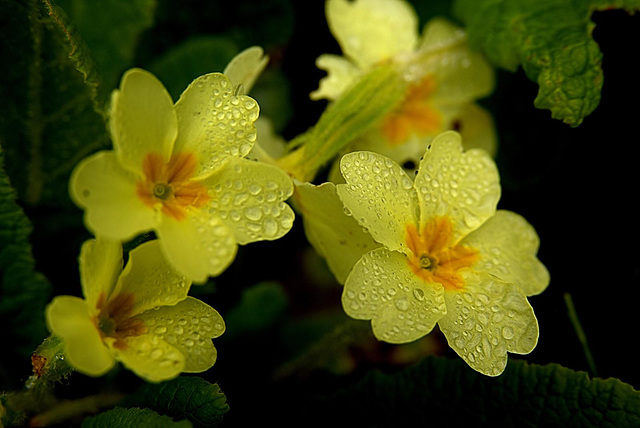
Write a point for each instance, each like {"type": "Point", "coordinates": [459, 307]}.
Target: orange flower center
{"type": "Point", "coordinates": [415, 115]}
{"type": "Point", "coordinates": [434, 258]}
{"type": "Point", "coordinates": [169, 185]}
{"type": "Point", "coordinates": [115, 320]}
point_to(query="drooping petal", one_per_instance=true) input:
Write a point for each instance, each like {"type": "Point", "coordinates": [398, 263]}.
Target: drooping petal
{"type": "Point", "coordinates": [143, 120]}
{"type": "Point", "coordinates": [107, 192]}
{"type": "Point", "coordinates": [371, 31]}
{"type": "Point", "coordinates": [463, 186]}
{"type": "Point", "coordinates": [508, 245]}
{"type": "Point", "coordinates": [401, 306]}
{"type": "Point", "coordinates": [199, 246]}
{"type": "Point", "coordinates": [188, 326]}
{"type": "Point", "coordinates": [150, 357]}
{"type": "Point", "coordinates": [246, 67]}
{"type": "Point", "coordinates": [214, 123]}
{"type": "Point", "coordinates": [151, 280]}
{"type": "Point", "coordinates": [486, 320]}
{"type": "Point", "coordinates": [341, 73]}
{"type": "Point", "coordinates": [335, 235]}
{"type": "Point", "coordinates": [249, 196]}
{"type": "Point", "coordinates": [71, 319]}
{"type": "Point", "coordinates": [379, 195]}
{"type": "Point", "coordinates": [100, 264]}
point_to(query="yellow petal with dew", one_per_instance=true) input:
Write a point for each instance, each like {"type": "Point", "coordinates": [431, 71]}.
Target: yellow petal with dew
{"type": "Point", "coordinates": [371, 31]}
{"type": "Point", "coordinates": [508, 245]}
{"type": "Point", "coordinates": [71, 319]}
{"type": "Point", "coordinates": [100, 264]}
{"type": "Point", "coordinates": [214, 123]}
{"type": "Point", "coordinates": [188, 326]}
{"type": "Point", "coordinates": [269, 145]}
{"type": "Point", "coordinates": [335, 235]}
{"type": "Point", "coordinates": [486, 320]}
{"type": "Point", "coordinates": [151, 280]}
{"type": "Point", "coordinates": [401, 306]}
{"type": "Point", "coordinates": [108, 194]}
{"type": "Point", "coordinates": [142, 119]}
{"type": "Point", "coordinates": [379, 195]}
{"type": "Point", "coordinates": [151, 357]}
{"type": "Point", "coordinates": [244, 69]}
{"type": "Point", "coordinates": [200, 246]}
{"type": "Point", "coordinates": [462, 186]}
{"type": "Point", "coordinates": [341, 73]}
{"type": "Point", "coordinates": [476, 128]}
{"type": "Point", "coordinates": [249, 196]}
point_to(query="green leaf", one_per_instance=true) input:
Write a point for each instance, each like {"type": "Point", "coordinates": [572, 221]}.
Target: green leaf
{"type": "Point", "coordinates": [133, 418]}
{"type": "Point", "coordinates": [551, 40]}
{"type": "Point", "coordinates": [440, 391]}
{"type": "Point", "coordinates": [23, 291]}
{"type": "Point", "coordinates": [188, 397]}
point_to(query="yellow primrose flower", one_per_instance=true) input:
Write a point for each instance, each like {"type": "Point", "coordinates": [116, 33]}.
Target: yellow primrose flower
{"type": "Point", "coordinates": [447, 256]}
{"type": "Point", "coordinates": [140, 316]}
{"type": "Point", "coordinates": [180, 171]}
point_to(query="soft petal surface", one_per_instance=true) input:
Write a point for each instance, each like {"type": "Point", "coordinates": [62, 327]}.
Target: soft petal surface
{"type": "Point", "coordinates": [214, 123]}
{"type": "Point", "coordinates": [486, 320]}
{"type": "Point", "coordinates": [379, 195]}
{"type": "Point", "coordinates": [107, 192]}
{"type": "Point", "coordinates": [100, 264]}
{"type": "Point", "coordinates": [188, 326]}
{"type": "Point", "coordinates": [508, 245]}
{"type": "Point", "coordinates": [200, 246]}
{"type": "Point", "coordinates": [401, 306]}
{"type": "Point", "coordinates": [142, 119]}
{"type": "Point", "coordinates": [71, 319]}
{"type": "Point", "coordinates": [151, 357]}
{"type": "Point", "coordinates": [463, 186]}
{"type": "Point", "coordinates": [246, 67]}
{"type": "Point", "coordinates": [151, 279]}
{"type": "Point", "coordinates": [371, 31]}
{"type": "Point", "coordinates": [249, 196]}
{"type": "Point", "coordinates": [335, 235]}
{"type": "Point", "coordinates": [476, 128]}
{"type": "Point", "coordinates": [341, 73]}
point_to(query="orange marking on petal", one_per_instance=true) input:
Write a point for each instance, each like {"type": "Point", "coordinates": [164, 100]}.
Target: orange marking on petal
{"type": "Point", "coordinates": [434, 258]}
{"type": "Point", "coordinates": [116, 319]}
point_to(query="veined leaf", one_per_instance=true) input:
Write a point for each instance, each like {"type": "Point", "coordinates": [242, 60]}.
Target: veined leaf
{"type": "Point", "coordinates": [132, 418]}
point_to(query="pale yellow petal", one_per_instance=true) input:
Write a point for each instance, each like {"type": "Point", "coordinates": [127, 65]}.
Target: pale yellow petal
{"type": "Point", "coordinates": [335, 235]}
{"type": "Point", "coordinates": [100, 264]}
{"type": "Point", "coordinates": [476, 127]}
{"type": "Point", "coordinates": [439, 34]}
{"type": "Point", "coordinates": [151, 357]}
{"type": "Point", "coordinates": [341, 73]}
{"type": "Point", "coordinates": [71, 319]}
{"type": "Point", "coordinates": [199, 246]}
{"type": "Point", "coordinates": [380, 196]}
{"type": "Point", "coordinates": [486, 320]}
{"type": "Point", "coordinates": [371, 31]}
{"type": "Point", "coordinates": [249, 196]}
{"type": "Point", "coordinates": [462, 186]}
{"type": "Point", "coordinates": [142, 119]}
{"type": "Point", "coordinates": [508, 245]}
{"type": "Point", "coordinates": [214, 123]}
{"type": "Point", "coordinates": [246, 67]}
{"type": "Point", "coordinates": [401, 306]}
{"type": "Point", "coordinates": [107, 192]}
{"type": "Point", "coordinates": [151, 279]}
{"type": "Point", "coordinates": [188, 326]}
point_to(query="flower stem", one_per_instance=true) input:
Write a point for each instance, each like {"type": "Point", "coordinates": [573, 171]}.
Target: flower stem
{"type": "Point", "coordinates": [582, 337]}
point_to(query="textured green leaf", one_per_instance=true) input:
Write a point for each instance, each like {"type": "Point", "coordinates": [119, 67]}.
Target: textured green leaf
{"type": "Point", "coordinates": [132, 418]}
{"type": "Point", "coordinates": [188, 397]}
{"type": "Point", "coordinates": [551, 40]}
{"type": "Point", "coordinates": [23, 291]}
{"type": "Point", "coordinates": [440, 391]}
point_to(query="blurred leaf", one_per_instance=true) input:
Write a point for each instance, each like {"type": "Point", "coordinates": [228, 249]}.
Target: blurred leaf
{"type": "Point", "coordinates": [260, 307]}
{"type": "Point", "coordinates": [47, 116]}
{"type": "Point", "coordinates": [132, 418]}
{"type": "Point", "coordinates": [439, 390]}
{"type": "Point", "coordinates": [189, 397]}
{"type": "Point", "coordinates": [23, 291]}
{"type": "Point", "coordinates": [551, 40]}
